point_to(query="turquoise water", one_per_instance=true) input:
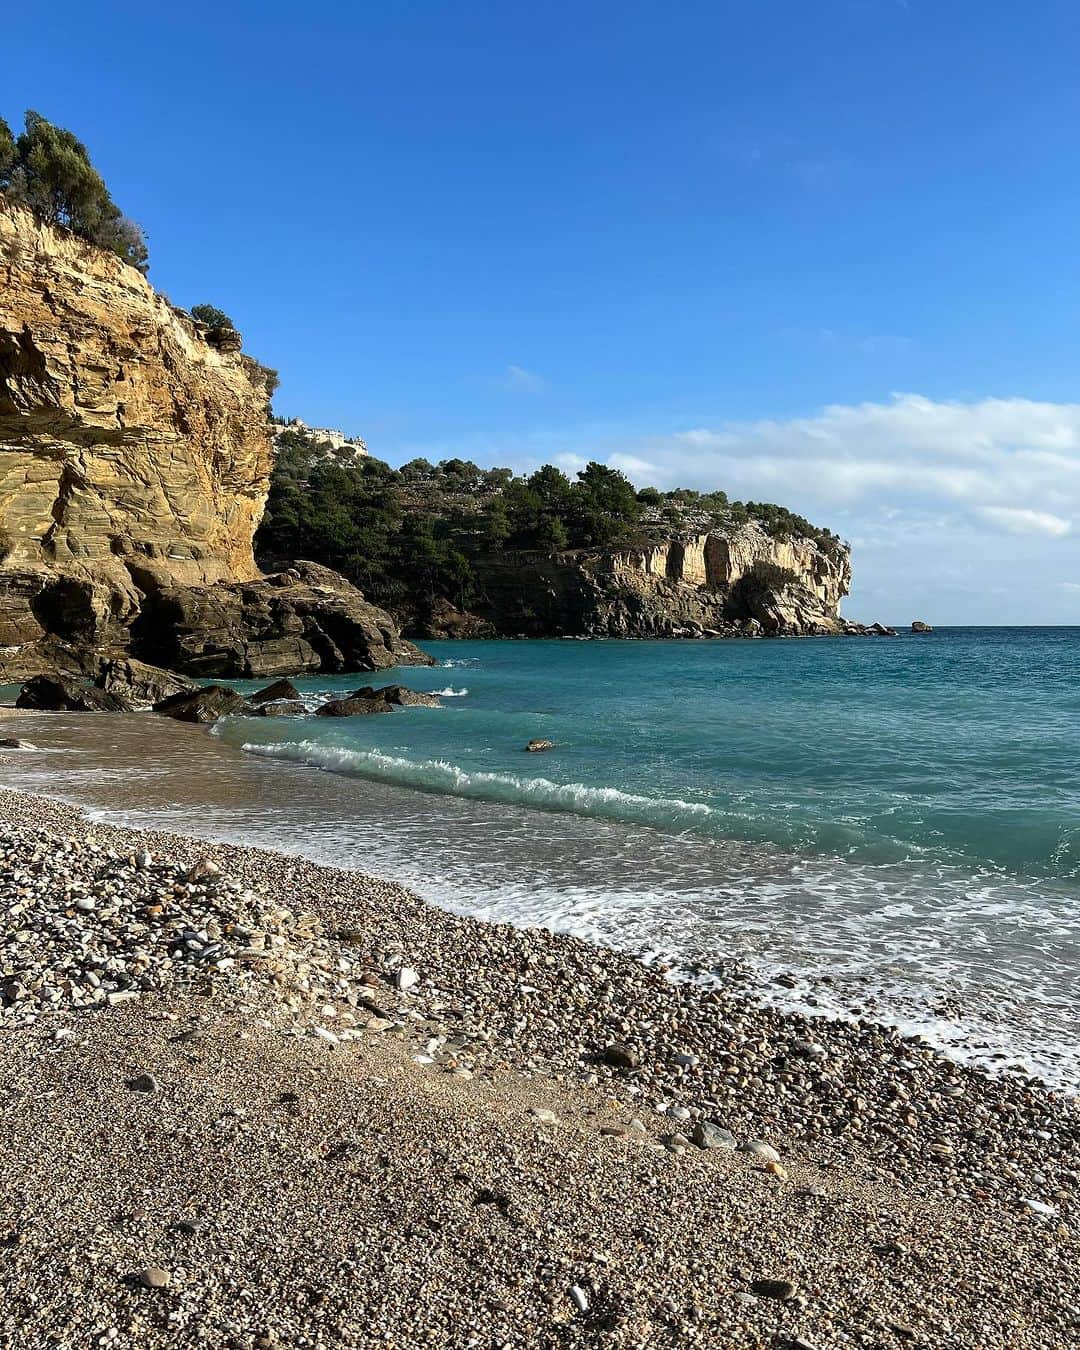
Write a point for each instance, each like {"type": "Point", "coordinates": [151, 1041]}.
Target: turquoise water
{"type": "Point", "coordinates": [958, 747]}
{"type": "Point", "coordinates": [893, 824]}
{"type": "Point", "coordinates": [872, 827]}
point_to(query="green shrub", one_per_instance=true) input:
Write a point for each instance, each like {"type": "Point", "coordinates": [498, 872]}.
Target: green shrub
{"type": "Point", "coordinates": [211, 317]}
{"type": "Point", "coordinates": [48, 169]}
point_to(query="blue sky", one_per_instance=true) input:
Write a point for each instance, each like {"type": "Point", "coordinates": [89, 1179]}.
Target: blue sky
{"type": "Point", "coordinates": [822, 252]}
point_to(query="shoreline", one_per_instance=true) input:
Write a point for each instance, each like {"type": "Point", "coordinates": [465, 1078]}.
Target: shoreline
{"type": "Point", "coordinates": [184, 769]}
{"type": "Point", "coordinates": [521, 1016]}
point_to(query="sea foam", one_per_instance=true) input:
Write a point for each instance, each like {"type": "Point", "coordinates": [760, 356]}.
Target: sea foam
{"type": "Point", "coordinates": [439, 775]}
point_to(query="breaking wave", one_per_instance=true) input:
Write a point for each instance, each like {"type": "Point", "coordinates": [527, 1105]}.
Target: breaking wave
{"type": "Point", "coordinates": [439, 775]}
{"type": "Point", "coordinates": [450, 693]}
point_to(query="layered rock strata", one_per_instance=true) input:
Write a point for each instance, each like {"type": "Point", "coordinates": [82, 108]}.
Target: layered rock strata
{"type": "Point", "coordinates": [135, 454]}
{"type": "Point", "coordinates": [738, 582]}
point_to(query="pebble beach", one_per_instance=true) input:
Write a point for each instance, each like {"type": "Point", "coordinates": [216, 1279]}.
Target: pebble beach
{"type": "Point", "coordinates": [252, 1101]}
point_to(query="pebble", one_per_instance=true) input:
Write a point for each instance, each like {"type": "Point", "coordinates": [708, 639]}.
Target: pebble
{"type": "Point", "coordinates": [620, 1056]}
{"type": "Point", "coordinates": [759, 1149]}
{"type": "Point", "coordinates": [580, 1298]}
{"type": "Point", "coordinates": [707, 1135]}
{"type": "Point", "coordinates": [144, 1082]}
{"type": "Point", "coordinates": [778, 1289]}
{"type": "Point", "coordinates": [530, 1002]}
{"type": "Point", "coordinates": [154, 1277]}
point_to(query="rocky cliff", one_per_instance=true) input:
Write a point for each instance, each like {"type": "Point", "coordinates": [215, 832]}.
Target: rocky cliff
{"type": "Point", "coordinates": [135, 456]}
{"type": "Point", "coordinates": [737, 581]}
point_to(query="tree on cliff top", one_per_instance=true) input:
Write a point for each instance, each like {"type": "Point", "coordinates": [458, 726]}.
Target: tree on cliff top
{"type": "Point", "coordinates": [211, 317]}
{"type": "Point", "coordinates": [48, 169]}
{"type": "Point", "coordinates": [9, 154]}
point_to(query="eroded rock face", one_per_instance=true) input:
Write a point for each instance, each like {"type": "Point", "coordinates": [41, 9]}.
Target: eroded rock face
{"type": "Point", "coordinates": [203, 705]}
{"type": "Point", "coordinates": [305, 620]}
{"type": "Point", "coordinates": [135, 455]}
{"type": "Point", "coordinates": [48, 693]}
{"type": "Point", "coordinates": [140, 684]}
{"type": "Point", "coordinates": [742, 583]}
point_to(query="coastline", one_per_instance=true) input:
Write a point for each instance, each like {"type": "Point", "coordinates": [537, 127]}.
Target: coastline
{"type": "Point", "coordinates": [898, 1210]}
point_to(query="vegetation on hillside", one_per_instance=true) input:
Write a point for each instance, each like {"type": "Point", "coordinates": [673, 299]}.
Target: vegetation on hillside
{"type": "Point", "coordinates": [49, 170]}
{"type": "Point", "coordinates": [416, 533]}
{"type": "Point", "coordinates": [211, 317]}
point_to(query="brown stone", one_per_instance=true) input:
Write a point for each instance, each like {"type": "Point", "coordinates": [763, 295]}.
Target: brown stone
{"type": "Point", "coordinates": [139, 683]}
{"type": "Point", "coordinates": [134, 452]}
{"type": "Point", "coordinates": [320, 622]}
{"type": "Point", "coordinates": [353, 707]}
{"type": "Point", "coordinates": [135, 455]}
{"type": "Point", "coordinates": [203, 705]}
{"type": "Point", "coordinates": [399, 695]}
{"type": "Point", "coordinates": [57, 693]}
{"type": "Point", "coordinates": [274, 693]}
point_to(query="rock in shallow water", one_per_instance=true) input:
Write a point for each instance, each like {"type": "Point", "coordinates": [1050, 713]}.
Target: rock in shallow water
{"type": "Point", "coordinates": [202, 705]}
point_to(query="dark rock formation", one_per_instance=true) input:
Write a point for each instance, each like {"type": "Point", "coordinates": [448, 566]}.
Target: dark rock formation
{"type": "Point", "coordinates": [919, 627]}
{"type": "Point", "coordinates": [203, 705]}
{"type": "Point", "coordinates": [280, 690]}
{"type": "Point", "coordinates": [140, 684]}
{"type": "Point", "coordinates": [56, 693]}
{"type": "Point", "coordinates": [535, 746]}
{"type": "Point", "coordinates": [399, 695]}
{"type": "Point", "coordinates": [353, 707]}
{"type": "Point", "coordinates": [304, 620]}
{"type": "Point", "coordinates": [443, 620]}
{"type": "Point", "coordinates": [282, 707]}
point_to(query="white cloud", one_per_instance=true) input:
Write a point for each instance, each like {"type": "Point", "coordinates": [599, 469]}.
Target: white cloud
{"type": "Point", "coordinates": [634, 467]}
{"type": "Point", "coordinates": [521, 381]}
{"type": "Point", "coordinates": [1010, 463]}
{"type": "Point", "coordinates": [1019, 521]}
{"type": "Point", "coordinates": [572, 463]}
{"type": "Point", "coordinates": [957, 511]}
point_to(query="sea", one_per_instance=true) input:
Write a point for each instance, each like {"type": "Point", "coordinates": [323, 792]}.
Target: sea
{"type": "Point", "coordinates": [884, 828]}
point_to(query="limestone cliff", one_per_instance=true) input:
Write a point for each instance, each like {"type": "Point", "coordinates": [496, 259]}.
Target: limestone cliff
{"type": "Point", "coordinates": [725, 582]}
{"type": "Point", "coordinates": [135, 449]}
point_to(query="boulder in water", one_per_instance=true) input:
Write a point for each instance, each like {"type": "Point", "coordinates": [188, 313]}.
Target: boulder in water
{"type": "Point", "coordinates": [534, 747]}
{"type": "Point", "coordinates": [399, 695]}
{"type": "Point", "coordinates": [353, 707]}
{"type": "Point", "coordinates": [919, 627]}
{"type": "Point", "coordinates": [277, 692]}
{"type": "Point", "coordinates": [140, 683]}
{"type": "Point", "coordinates": [59, 693]}
{"type": "Point", "coordinates": [281, 707]}
{"type": "Point", "coordinates": [203, 705]}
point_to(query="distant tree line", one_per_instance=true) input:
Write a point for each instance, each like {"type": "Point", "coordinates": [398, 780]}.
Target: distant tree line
{"type": "Point", "coordinates": [416, 534]}
{"type": "Point", "coordinates": [48, 170]}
